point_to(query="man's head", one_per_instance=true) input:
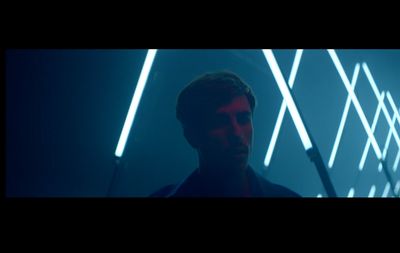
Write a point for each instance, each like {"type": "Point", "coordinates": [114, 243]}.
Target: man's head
{"type": "Point", "coordinates": [216, 112]}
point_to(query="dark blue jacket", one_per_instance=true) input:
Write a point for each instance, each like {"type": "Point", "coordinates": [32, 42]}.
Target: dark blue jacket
{"type": "Point", "coordinates": [193, 187]}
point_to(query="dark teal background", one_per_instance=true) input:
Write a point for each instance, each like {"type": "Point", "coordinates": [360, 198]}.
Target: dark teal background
{"type": "Point", "coordinates": [65, 110]}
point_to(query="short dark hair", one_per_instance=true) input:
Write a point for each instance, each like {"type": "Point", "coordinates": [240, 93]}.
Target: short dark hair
{"type": "Point", "coordinates": [208, 92]}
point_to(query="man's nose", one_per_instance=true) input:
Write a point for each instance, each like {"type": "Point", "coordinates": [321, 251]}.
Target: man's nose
{"type": "Point", "coordinates": [235, 135]}
{"type": "Point", "coordinates": [236, 129]}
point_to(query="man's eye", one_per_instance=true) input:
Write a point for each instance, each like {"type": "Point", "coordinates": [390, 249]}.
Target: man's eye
{"type": "Point", "coordinates": [219, 121]}
{"type": "Point", "coordinates": [244, 118]}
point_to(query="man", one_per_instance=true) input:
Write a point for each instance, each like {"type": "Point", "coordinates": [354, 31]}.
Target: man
{"type": "Point", "coordinates": [216, 114]}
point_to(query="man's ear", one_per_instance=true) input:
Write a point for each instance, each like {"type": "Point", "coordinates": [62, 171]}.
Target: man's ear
{"type": "Point", "coordinates": [192, 136]}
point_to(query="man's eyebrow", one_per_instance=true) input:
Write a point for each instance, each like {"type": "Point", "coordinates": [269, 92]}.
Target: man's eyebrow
{"type": "Point", "coordinates": [221, 114]}
{"type": "Point", "coordinates": [227, 113]}
{"type": "Point", "coordinates": [244, 112]}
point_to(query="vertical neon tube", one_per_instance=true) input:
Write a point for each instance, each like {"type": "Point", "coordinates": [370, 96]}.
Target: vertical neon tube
{"type": "Point", "coordinates": [151, 54]}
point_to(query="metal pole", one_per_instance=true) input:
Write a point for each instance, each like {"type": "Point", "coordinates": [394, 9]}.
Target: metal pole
{"type": "Point", "coordinates": [388, 176]}
{"type": "Point", "coordinates": [117, 165]}
{"type": "Point", "coordinates": [316, 157]}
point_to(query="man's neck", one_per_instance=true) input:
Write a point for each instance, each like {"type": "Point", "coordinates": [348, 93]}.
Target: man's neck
{"type": "Point", "coordinates": [222, 171]}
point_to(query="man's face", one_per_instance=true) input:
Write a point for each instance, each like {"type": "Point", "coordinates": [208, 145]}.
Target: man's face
{"type": "Point", "coordinates": [229, 135]}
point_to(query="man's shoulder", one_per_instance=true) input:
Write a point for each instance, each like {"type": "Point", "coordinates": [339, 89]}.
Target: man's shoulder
{"type": "Point", "coordinates": [271, 189]}
{"type": "Point", "coordinates": [282, 191]}
{"type": "Point", "coordinates": [184, 188]}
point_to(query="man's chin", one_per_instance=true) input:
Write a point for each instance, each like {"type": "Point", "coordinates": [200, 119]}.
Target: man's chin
{"type": "Point", "coordinates": [232, 161]}
{"type": "Point", "coordinates": [239, 162]}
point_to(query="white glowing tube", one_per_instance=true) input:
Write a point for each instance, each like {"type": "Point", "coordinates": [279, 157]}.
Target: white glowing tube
{"type": "Point", "coordinates": [344, 117]}
{"type": "Point", "coordinates": [288, 99]}
{"type": "Point", "coordinates": [374, 123]}
{"type": "Point", "coordinates": [396, 162]}
{"type": "Point", "coordinates": [392, 104]}
{"type": "Point", "coordinates": [384, 109]}
{"type": "Point", "coordinates": [397, 188]}
{"type": "Point", "coordinates": [351, 193]}
{"type": "Point", "coordinates": [386, 190]}
{"type": "Point", "coordinates": [396, 112]}
{"type": "Point", "coordinates": [372, 191]}
{"type": "Point", "coordinates": [385, 149]}
{"type": "Point", "coordinates": [282, 111]}
{"type": "Point", "coordinates": [356, 103]}
{"type": "Point", "coordinates": [135, 101]}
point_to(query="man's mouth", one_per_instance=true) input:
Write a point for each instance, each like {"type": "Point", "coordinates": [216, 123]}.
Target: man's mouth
{"type": "Point", "coordinates": [242, 150]}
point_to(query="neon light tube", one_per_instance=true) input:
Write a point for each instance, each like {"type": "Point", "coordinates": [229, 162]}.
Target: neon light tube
{"type": "Point", "coordinates": [151, 54]}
